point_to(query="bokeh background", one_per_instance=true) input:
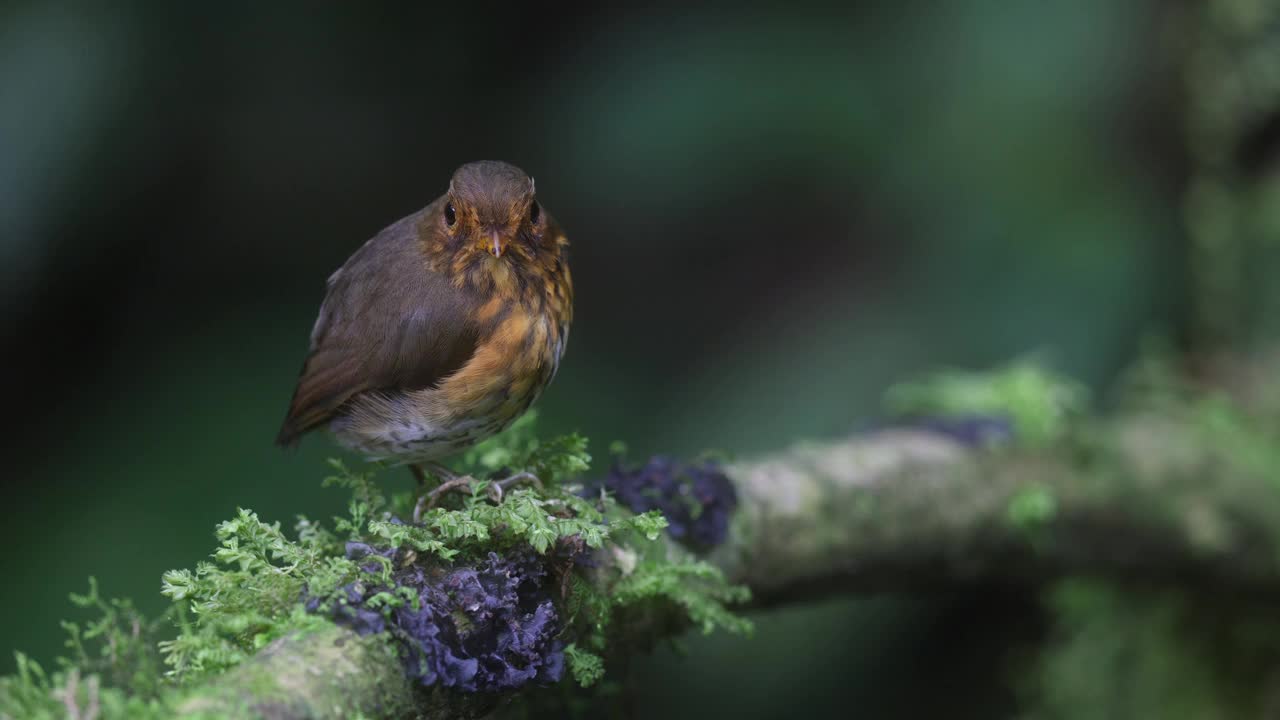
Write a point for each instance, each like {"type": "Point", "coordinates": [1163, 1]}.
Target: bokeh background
{"type": "Point", "coordinates": [775, 214]}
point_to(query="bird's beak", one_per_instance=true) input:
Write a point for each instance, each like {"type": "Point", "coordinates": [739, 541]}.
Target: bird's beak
{"type": "Point", "coordinates": [496, 246]}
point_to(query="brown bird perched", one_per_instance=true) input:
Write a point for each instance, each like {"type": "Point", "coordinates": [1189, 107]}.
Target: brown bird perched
{"type": "Point", "coordinates": [441, 330]}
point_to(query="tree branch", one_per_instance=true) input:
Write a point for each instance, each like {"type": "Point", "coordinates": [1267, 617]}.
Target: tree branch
{"type": "Point", "coordinates": [911, 510]}
{"type": "Point", "coordinates": [1167, 497]}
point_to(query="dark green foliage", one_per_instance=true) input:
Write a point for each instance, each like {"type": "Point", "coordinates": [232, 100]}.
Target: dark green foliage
{"type": "Point", "coordinates": [1130, 652]}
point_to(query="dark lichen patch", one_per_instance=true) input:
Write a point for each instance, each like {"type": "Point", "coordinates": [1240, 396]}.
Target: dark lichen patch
{"type": "Point", "coordinates": [696, 498]}
{"type": "Point", "coordinates": [979, 431]}
{"type": "Point", "coordinates": [487, 627]}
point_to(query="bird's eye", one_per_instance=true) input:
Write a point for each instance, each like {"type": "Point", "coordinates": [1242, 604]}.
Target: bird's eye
{"type": "Point", "coordinates": [534, 212]}
{"type": "Point", "coordinates": [450, 216]}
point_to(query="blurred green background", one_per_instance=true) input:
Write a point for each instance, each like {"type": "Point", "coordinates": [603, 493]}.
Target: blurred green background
{"type": "Point", "coordinates": [775, 213]}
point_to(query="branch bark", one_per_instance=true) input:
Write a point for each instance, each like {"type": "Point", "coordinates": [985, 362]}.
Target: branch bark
{"type": "Point", "coordinates": [1161, 498]}
{"type": "Point", "coordinates": [904, 510]}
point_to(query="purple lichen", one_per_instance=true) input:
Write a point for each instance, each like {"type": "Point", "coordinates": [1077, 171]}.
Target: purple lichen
{"type": "Point", "coordinates": [697, 499]}
{"type": "Point", "coordinates": [970, 430]}
{"type": "Point", "coordinates": [486, 627]}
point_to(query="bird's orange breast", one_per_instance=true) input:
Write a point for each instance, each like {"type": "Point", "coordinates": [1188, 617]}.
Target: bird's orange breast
{"type": "Point", "coordinates": [509, 370]}
{"type": "Point", "coordinates": [528, 325]}
{"type": "Point", "coordinates": [522, 308]}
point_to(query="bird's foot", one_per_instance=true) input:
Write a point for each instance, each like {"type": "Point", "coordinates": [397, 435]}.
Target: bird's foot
{"type": "Point", "coordinates": [452, 481]}
{"type": "Point", "coordinates": [427, 499]}
{"type": "Point", "coordinates": [498, 488]}
{"type": "Point", "coordinates": [460, 482]}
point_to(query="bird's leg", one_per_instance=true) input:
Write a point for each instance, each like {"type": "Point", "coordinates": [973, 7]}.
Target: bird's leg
{"type": "Point", "coordinates": [441, 471]}
{"type": "Point", "coordinates": [461, 482]}
{"type": "Point", "coordinates": [419, 474]}
{"type": "Point", "coordinates": [427, 499]}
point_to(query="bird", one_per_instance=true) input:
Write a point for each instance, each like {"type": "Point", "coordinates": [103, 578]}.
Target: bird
{"type": "Point", "coordinates": [442, 329]}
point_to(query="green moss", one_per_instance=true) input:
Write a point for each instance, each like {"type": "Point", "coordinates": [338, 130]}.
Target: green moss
{"type": "Point", "coordinates": [1031, 508]}
{"type": "Point", "coordinates": [1040, 404]}
{"type": "Point", "coordinates": [1240, 436]}
{"type": "Point", "coordinates": [587, 667]}
{"type": "Point", "coordinates": [697, 588]}
{"type": "Point", "coordinates": [249, 595]}
{"type": "Point", "coordinates": [282, 679]}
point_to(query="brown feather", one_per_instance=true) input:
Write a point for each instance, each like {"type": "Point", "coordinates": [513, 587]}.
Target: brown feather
{"type": "Point", "coordinates": [387, 323]}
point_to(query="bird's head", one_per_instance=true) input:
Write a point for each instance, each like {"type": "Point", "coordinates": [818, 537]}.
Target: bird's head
{"type": "Point", "coordinates": [491, 209]}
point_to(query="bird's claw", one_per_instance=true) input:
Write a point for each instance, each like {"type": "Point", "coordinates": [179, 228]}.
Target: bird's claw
{"type": "Point", "coordinates": [428, 500]}
{"type": "Point", "coordinates": [496, 490]}
{"type": "Point", "coordinates": [499, 487]}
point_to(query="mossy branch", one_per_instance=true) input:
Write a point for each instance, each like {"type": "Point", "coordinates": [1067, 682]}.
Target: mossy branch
{"type": "Point", "coordinates": [1180, 490]}
{"type": "Point", "coordinates": [903, 510]}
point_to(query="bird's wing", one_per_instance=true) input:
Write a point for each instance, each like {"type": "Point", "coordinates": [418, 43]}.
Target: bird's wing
{"type": "Point", "coordinates": [387, 323]}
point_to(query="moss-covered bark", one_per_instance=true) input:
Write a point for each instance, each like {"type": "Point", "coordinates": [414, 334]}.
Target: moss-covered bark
{"type": "Point", "coordinates": [329, 673]}
{"type": "Point", "coordinates": [1158, 498]}
{"type": "Point", "coordinates": [1181, 494]}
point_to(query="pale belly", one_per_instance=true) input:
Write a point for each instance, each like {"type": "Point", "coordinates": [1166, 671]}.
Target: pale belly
{"type": "Point", "coordinates": [403, 429]}
{"type": "Point", "coordinates": [409, 441]}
